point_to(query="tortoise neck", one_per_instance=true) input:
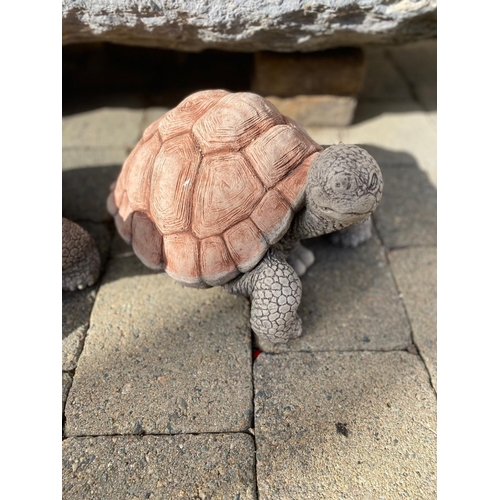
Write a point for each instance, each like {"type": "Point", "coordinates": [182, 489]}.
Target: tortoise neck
{"type": "Point", "coordinates": [306, 225]}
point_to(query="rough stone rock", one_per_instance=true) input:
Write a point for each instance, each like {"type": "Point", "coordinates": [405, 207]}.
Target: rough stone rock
{"type": "Point", "coordinates": [250, 25]}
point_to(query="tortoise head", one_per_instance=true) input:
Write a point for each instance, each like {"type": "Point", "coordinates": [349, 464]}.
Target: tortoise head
{"type": "Point", "coordinates": [344, 185]}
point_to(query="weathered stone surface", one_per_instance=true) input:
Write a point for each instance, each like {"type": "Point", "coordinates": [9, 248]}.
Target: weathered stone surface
{"type": "Point", "coordinates": [67, 379]}
{"type": "Point", "coordinates": [102, 128]}
{"type": "Point", "coordinates": [349, 302]}
{"type": "Point", "coordinates": [352, 425]}
{"type": "Point", "coordinates": [76, 308]}
{"type": "Point", "coordinates": [415, 270]}
{"type": "Point", "coordinates": [77, 305]}
{"type": "Point", "coordinates": [407, 215]}
{"type": "Point", "coordinates": [159, 467]}
{"type": "Point", "coordinates": [248, 26]}
{"type": "Point", "coordinates": [399, 133]}
{"type": "Point", "coordinates": [77, 157]}
{"type": "Point", "coordinates": [336, 72]}
{"type": "Point", "coordinates": [161, 359]}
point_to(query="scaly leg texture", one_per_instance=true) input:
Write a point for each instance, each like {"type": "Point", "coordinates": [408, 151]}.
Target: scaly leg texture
{"type": "Point", "coordinates": [81, 262]}
{"type": "Point", "coordinates": [275, 291]}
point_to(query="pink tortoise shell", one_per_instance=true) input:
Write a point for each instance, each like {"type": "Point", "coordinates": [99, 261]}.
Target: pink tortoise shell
{"type": "Point", "coordinates": [211, 185]}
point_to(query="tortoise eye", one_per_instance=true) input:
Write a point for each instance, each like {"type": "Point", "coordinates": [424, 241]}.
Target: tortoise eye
{"type": "Point", "coordinates": [373, 183]}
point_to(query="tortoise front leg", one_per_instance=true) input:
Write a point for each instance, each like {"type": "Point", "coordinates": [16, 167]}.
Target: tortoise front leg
{"type": "Point", "coordinates": [275, 291]}
{"type": "Point", "coordinates": [354, 235]}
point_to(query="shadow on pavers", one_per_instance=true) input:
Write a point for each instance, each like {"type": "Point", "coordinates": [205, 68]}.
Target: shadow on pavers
{"type": "Point", "coordinates": [85, 190]}
{"type": "Point", "coordinates": [407, 215]}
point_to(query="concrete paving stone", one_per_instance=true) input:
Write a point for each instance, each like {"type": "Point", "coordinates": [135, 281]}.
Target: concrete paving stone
{"type": "Point", "coordinates": [351, 426]}
{"type": "Point", "coordinates": [103, 127]}
{"type": "Point", "coordinates": [383, 81]}
{"type": "Point", "coordinates": [325, 136]}
{"type": "Point", "coordinates": [76, 309]}
{"type": "Point", "coordinates": [349, 302]}
{"type": "Point", "coordinates": [162, 359]}
{"type": "Point", "coordinates": [85, 191]}
{"type": "Point", "coordinates": [67, 379]}
{"type": "Point", "coordinates": [399, 127]}
{"type": "Point", "coordinates": [418, 63]}
{"type": "Point", "coordinates": [77, 305]}
{"type": "Point", "coordinates": [407, 215]}
{"type": "Point", "coordinates": [152, 114]}
{"type": "Point", "coordinates": [74, 158]}
{"type": "Point", "coordinates": [415, 270]}
{"type": "Point", "coordinates": [217, 466]}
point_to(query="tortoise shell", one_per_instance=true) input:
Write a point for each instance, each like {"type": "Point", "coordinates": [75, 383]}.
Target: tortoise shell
{"type": "Point", "coordinates": [211, 185]}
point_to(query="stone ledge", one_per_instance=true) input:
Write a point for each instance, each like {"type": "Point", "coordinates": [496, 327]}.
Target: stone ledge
{"type": "Point", "coordinates": [249, 26]}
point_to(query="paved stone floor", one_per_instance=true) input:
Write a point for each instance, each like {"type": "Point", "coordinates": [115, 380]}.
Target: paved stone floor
{"type": "Point", "coordinates": [162, 397]}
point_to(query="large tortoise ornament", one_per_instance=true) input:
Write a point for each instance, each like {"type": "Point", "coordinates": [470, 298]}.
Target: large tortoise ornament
{"type": "Point", "coordinates": [220, 190]}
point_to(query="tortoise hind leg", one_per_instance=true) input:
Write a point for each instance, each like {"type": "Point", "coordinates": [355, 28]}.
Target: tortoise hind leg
{"type": "Point", "coordinates": [275, 291]}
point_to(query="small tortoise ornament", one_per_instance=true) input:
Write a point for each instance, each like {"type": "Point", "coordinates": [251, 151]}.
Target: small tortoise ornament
{"type": "Point", "coordinates": [221, 189]}
{"type": "Point", "coordinates": [81, 262]}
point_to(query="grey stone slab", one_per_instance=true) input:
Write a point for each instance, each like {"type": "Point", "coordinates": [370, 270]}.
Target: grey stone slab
{"type": "Point", "coordinates": [159, 467]}
{"type": "Point", "coordinates": [250, 26]}
{"type": "Point", "coordinates": [352, 426]}
{"type": "Point", "coordinates": [415, 270]}
{"type": "Point", "coordinates": [67, 379]}
{"type": "Point", "coordinates": [161, 359]}
{"type": "Point", "coordinates": [102, 128]}
{"type": "Point", "coordinates": [77, 305]}
{"type": "Point", "coordinates": [349, 301]}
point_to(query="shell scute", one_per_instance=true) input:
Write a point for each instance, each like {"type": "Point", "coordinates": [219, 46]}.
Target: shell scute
{"type": "Point", "coordinates": [180, 120]}
{"type": "Point", "coordinates": [226, 192]}
{"type": "Point", "coordinates": [245, 244]}
{"type": "Point", "coordinates": [139, 177]}
{"type": "Point", "coordinates": [278, 151]}
{"type": "Point", "coordinates": [172, 181]}
{"type": "Point", "coordinates": [211, 185]}
{"type": "Point", "coordinates": [147, 242]}
{"type": "Point", "coordinates": [181, 255]}
{"type": "Point", "coordinates": [234, 122]}
{"type": "Point", "coordinates": [216, 264]}
{"type": "Point", "coordinates": [272, 216]}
